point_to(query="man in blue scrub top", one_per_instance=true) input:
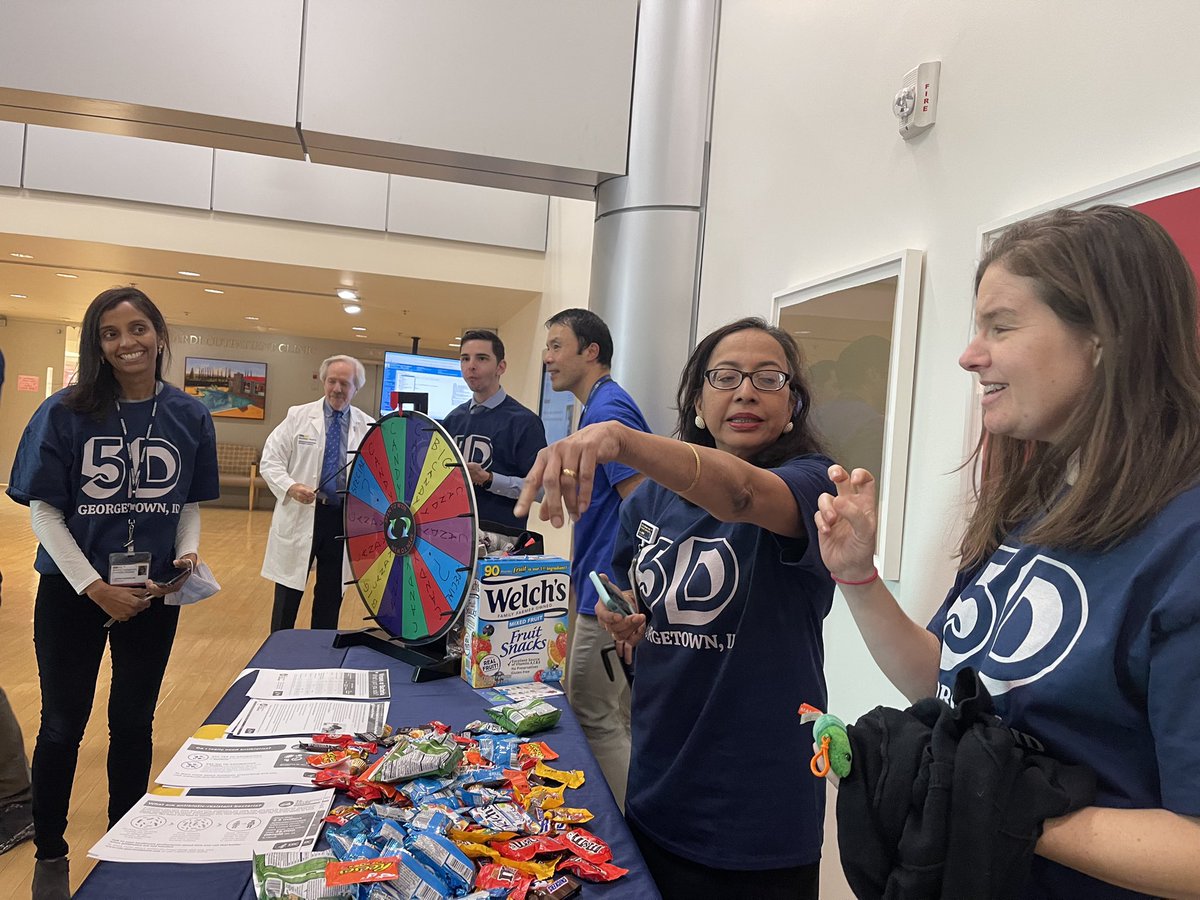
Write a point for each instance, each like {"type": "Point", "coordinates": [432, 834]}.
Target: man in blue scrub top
{"type": "Point", "coordinates": [578, 358]}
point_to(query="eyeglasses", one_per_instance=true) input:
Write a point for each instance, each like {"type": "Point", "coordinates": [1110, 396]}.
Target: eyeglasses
{"type": "Point", "coordinates": [731, 379]}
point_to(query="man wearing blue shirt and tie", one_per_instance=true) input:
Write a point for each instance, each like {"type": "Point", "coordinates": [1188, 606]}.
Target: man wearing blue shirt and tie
{"type": "Point", "coordinates": [304, 463]}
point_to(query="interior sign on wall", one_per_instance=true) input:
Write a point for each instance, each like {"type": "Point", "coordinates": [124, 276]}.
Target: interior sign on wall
{"type": "Point", "coordinates": [242, 344]}
{"type": "Point", "coordinates": [28, 383]}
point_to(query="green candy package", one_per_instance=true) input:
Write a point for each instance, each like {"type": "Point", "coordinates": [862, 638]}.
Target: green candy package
{"type": "Point", "coordinates": [526, 717]}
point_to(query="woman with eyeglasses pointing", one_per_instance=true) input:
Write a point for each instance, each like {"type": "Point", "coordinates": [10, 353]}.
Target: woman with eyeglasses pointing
{"type": "Point", "coordinates": [717, 556]}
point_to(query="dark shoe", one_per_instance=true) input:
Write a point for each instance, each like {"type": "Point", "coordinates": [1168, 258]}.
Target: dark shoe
{"type": "Point", "coordinates": [16, 824]}
{"type": "Point", "coordinates": [51, 879]}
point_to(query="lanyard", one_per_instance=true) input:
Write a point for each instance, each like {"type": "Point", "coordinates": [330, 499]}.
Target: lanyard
{"type": "Point", "coordinates": [591, 393]}
{"type": "Point", "coordinates": [131, 485]}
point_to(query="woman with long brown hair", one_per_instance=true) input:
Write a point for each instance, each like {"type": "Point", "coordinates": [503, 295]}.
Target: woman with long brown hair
{"type": "Point", "coordinates": [1077, 600]}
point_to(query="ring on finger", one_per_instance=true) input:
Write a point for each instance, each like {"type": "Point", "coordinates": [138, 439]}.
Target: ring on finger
{"type": "Point", "coordinates": [569, 473]}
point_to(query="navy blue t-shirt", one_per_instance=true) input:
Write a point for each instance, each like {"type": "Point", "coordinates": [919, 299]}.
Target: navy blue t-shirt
{"type": "Point", "coordinates": [596, 529]}
{"type": "Point", "coordinates": [1095, 655]}
{"type": "Point", "coordinates": [80, 465]}
{"type": "Point", "coordinates": [718, 772]}
{"type": "Point", "coordinates": [505, 441]}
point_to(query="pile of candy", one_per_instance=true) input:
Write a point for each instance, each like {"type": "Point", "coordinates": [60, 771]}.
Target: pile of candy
{"type": "Point", "coordinates": [478, 813]}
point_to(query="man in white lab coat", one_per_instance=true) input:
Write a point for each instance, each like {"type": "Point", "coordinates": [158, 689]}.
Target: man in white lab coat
{"type": "Point", "coordinates": [304, 463]}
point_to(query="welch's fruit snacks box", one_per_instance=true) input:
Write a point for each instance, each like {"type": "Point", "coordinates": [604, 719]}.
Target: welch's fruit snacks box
{"type": "Point", "coordinates": [516, 621]}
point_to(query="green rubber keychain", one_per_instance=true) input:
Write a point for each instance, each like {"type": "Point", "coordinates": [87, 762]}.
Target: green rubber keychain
{"type": "Point", "coordinates": [832, 741]}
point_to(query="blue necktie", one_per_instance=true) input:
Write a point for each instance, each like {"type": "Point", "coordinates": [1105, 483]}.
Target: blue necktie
{"type": "Point", "coordinates": [333, 458]}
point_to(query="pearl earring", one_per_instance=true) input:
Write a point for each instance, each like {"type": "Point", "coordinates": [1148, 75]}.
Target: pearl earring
{"type": "Point", "coordinates": [700, 422]}
{"type": "Point", "coordinates": [788, 428]}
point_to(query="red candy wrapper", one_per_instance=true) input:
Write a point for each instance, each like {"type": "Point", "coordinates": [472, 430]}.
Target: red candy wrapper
{"type": "Point", "coordinates": [493, 876]}
{"type": "Point", "coordinates": [586, 845]}
{"type": "Point", "coordinates": [590, 871]}
{"type": "Point", "coordinates": [362, 871]}
{"type": "Point", "coordinates": [333, 778]}
{"type": "Point", "coordinates": [526, 848]}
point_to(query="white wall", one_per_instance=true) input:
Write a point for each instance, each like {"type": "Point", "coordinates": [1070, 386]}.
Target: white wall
{"type": "Point", "coordinates": [567, 275]}
{"type": "Point", "coordinates": [1038, 100]}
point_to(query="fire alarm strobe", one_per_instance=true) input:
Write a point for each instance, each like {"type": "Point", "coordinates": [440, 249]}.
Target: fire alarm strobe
{"type": "Point", "coordinates": [915, 104]}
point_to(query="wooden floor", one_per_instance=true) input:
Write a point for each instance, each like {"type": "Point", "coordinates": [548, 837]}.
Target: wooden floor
{"type": "Point", "coordinates": [214, 641]}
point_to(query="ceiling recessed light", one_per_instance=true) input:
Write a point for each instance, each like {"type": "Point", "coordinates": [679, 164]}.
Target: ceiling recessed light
{"type": "Point", "coordinates": [22, 255]}
{"type": "Point", "coordinates": [352, 308]}
{"type": "Point", "coordinates": [250, 318]}
{"type": "Point", "coordinates": [65, 275]}
{"type": "Point", "coordinates": [456, 346]}
{"type": "Point", "coordinates": [19, 296]}
{"type": "Point", "coordinates": [347, 294]}
{"type": "Point", "coordinates": [360, 335]}
{"type": "Point", "coordinates": [212, 291]}
{"type": "Point", "coordinates": [188, 274]}
{"type": "Point", "coordinates": [358, 328]}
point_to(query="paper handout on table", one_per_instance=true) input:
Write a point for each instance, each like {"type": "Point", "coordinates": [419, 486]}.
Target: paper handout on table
{"type": "Point", "coordinates": [213, 829]}
{"type": "Point", "coordinates": [311, 684]}
{"type": "Point", "coordinates": [237, 763]}
{"type": "Point", "coordinates": [274, 718]}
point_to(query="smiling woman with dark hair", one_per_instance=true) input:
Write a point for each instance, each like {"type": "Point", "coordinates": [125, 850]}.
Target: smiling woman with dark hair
{"type": "Point", "coordinates": [730, 598]}
{"type": "Point", "coordinates": [113, 469]}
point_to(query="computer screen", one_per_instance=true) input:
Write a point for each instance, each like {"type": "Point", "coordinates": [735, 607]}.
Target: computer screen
{"type": "Point", "coordinates": [557, 409]}
{"type": "Point", "coordinates": [441, 379]}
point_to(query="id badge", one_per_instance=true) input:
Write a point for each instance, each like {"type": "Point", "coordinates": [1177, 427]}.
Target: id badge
{"type": "Point", "coordinates": [128, 569]}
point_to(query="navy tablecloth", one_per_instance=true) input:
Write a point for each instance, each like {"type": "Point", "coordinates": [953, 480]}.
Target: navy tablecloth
{"type": "Point", "coordinates": [449, 700]}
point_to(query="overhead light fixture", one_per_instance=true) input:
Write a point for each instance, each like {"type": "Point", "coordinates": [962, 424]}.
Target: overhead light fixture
{"type": "Point", "coordinates": [357, 328]}
{"type": "Point", "coordinates": [22, 255]}
{"type": "Point", "coordinates": [250, 318]}
{"type": "Point", "coordinates": [360, 335]}
{"type": "Point", "coordinates": [212, 291]}
{"type": "Point", "coordinates": [347, 294]}
{"type": "Point", "coordinates": [19, 296]}
{"type": "Point", "coordinates": [65, 275]}
{"type": "Point", "coordinates": [188, 274]}
{"type": "Point", "coordinates": [352, 308]}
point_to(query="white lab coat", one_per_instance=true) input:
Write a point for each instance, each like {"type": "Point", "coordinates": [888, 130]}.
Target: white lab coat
{"type": "Point", "coordinates": [293, 453]}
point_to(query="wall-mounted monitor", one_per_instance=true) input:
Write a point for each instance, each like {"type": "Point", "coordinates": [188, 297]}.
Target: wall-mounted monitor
{"type": "Point", "coordinates": [557, 409]}
{"type": "Point", "coordinates": [440, 379]}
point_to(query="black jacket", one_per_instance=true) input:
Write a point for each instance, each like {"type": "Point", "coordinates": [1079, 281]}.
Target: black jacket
{"type": "Point", "coordinates": [947, 802]}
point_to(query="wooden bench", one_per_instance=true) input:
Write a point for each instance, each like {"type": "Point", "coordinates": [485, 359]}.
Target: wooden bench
{"type": "Point", "coordinates": [237, 466]}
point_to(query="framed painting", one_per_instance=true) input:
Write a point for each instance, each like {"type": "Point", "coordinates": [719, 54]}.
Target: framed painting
{"type": "Point", "coordinates": [229, 389]}
{"type": "Point", "coordinates": [857, 330]}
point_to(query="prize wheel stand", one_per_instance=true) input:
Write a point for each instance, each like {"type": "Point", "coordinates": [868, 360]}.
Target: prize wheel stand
{"type": "Point", "coordinates": [411, 537]}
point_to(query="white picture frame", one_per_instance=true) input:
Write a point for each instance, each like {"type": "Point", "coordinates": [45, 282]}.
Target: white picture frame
{"type": "Point", "coordinates": [905, 267]}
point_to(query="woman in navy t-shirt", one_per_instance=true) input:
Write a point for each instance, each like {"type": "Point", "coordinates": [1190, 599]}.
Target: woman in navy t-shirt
{"type": "Point", "coordinates": [1078, 598]}
{"type": "Point", "coordinates": [112, 468]}
{"type": "Point", "coordinates": [717, 553]}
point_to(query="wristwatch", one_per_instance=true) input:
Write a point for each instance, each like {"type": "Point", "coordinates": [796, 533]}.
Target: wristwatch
{"type": "Point", "coordinates": [488, 484]}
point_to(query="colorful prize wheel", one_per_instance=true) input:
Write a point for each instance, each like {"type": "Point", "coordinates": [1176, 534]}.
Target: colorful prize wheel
{"type": "Point", "coordinates": [411, 527]}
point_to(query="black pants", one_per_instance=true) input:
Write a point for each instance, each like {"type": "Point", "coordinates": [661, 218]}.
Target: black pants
{"type": "Point", "coordinates": [681, 879]}
{"type": "Point", "coordinates": [327, 593]}
{"type": "Point", "coordinates": [69, 638]}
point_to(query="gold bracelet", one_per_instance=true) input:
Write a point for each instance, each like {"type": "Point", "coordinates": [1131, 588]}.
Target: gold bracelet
{"type": "Point", "coordinates": [696, 480]}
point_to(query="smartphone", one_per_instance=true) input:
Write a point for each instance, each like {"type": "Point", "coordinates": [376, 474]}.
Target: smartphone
{"type": "Point", "coordinates": [612, 597]}
{"type": "Point", "coordinates": [177, 575]}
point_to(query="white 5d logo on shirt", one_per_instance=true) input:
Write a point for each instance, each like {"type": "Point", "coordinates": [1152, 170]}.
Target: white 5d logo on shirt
{"type": "Point", "coordinates": [105, 467]}
{"type": "Point", "coordinates": [476, 449]}
{"type": "Point", "coordinates": [702, 581]}
{"type": "Point", "coordinates": [1015, 624]}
